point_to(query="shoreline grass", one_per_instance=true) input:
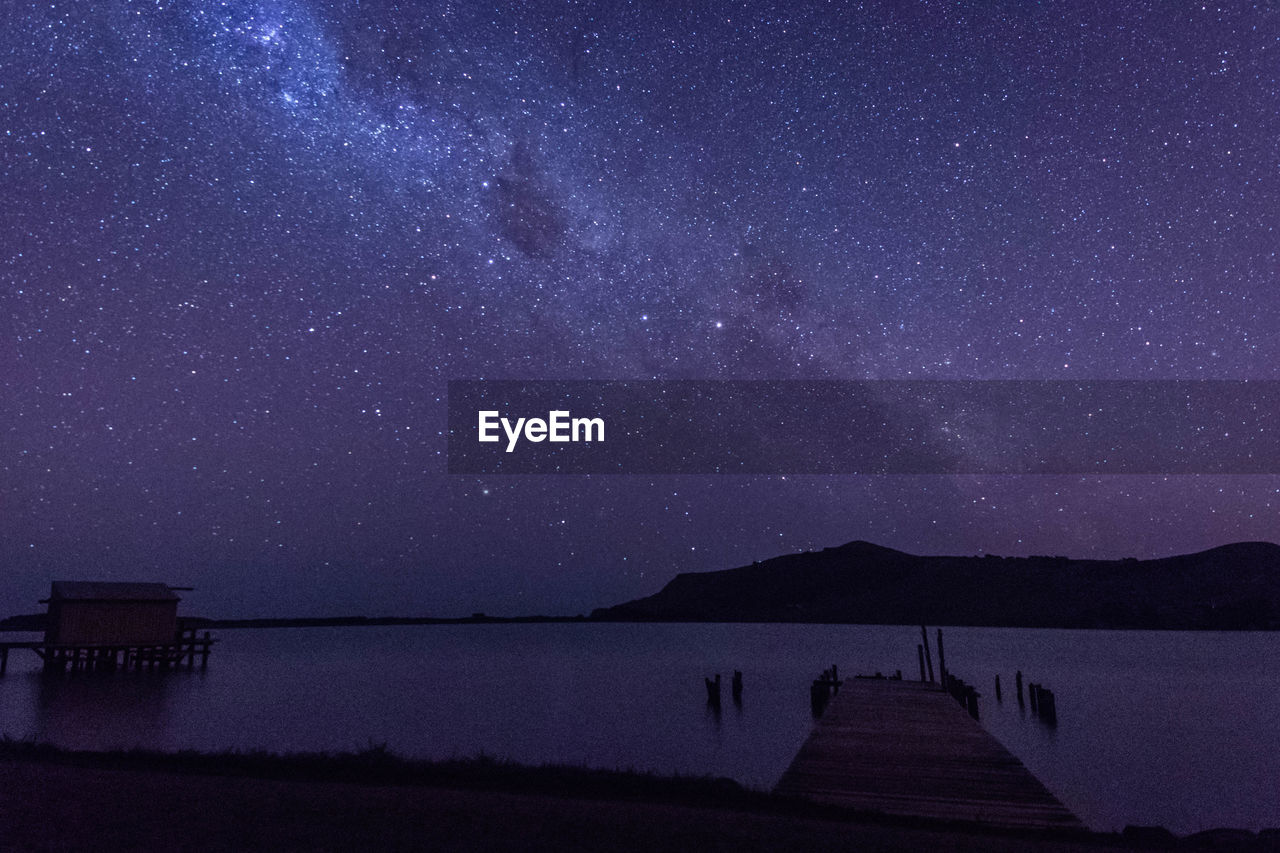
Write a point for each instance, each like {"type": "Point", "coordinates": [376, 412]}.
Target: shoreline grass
{"type": "Point", "coordinates": [377, 765]}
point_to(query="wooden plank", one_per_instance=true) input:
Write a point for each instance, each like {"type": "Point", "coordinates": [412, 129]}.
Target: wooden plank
{"type": "Point", "coordinates": [905, 748]}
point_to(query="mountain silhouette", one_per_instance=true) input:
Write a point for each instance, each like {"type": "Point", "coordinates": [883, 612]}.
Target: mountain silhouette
{"type": "Point", "coordinates": [1232, 587]}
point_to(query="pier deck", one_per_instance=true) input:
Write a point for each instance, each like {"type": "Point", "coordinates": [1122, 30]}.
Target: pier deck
{"type": "Point", "coordinates": [907, 748]}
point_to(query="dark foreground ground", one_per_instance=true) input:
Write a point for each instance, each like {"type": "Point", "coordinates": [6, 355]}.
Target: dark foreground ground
{"type": "Point", "coordinates": [57, 801]}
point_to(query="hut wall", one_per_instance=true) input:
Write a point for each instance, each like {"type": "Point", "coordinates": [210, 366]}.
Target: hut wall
{"type": "Point", "coordinates": [113, 622]}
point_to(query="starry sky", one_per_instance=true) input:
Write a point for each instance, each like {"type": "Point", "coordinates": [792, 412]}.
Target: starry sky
{"type": "Point", "coordinates": [244, 245]}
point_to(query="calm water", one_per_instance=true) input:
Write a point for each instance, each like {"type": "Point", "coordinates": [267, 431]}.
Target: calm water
{"type": "Point", "coordinates": [1154, 727]}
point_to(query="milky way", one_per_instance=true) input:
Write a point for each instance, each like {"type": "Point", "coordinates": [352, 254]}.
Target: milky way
{"type": "Point", "coordinates": [244, 246]}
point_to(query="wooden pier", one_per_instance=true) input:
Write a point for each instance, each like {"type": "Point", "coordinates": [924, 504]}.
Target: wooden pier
{"type": "Point", "coordinates": [186, 648]}
{"type": "Point", "coordinates": [906, 748]}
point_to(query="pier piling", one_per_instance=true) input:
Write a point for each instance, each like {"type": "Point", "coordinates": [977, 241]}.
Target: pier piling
{"type": "Point", "coordinates": [928, 658]}
{"type": "Point", "coordinates": [942, 660]}
{"type": "Point", "coordinates": [108, 657]}
{"type": "Point", "coordinates": [713, 691]}
{"type": "Point", "coordinates": [1048, 706]}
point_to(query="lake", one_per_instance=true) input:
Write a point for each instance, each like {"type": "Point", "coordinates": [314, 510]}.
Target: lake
{"type": "Point", "coordinates": [1172, 728]}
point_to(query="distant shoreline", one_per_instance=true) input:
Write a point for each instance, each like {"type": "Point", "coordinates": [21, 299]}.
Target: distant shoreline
{"type": "Point", "coordinates": [1233, 587]}
{"type": "Point", "coordinates": [379, 621]}
{"type": "Point", "coordinates": [19, 624]}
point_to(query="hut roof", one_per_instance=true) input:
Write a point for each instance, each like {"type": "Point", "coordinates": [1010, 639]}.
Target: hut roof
{"type": "Point", "coordinates": [111, 591]}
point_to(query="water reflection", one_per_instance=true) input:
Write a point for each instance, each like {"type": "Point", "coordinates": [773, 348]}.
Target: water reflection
{"type": "Point", "coordinates": [1153, 728]}
{"type": "Point", "coordinates": [111, 710]}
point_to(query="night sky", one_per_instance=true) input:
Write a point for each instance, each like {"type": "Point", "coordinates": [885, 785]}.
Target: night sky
{"type": "Point", "coordinates": [244, 245]}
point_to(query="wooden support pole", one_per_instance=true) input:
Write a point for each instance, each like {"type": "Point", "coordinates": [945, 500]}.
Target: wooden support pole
{"type": "Point", "coordinates": [942, 660]}
{"type": "Point", "coordinates": [204, 652]}
{"type": "Point", "coordinates": [1048, 706]}
{"type": "Point", "coordinates": [920, 654]}
{"type": "Point", "coordinates": [713, 691]}
{"type": "Point", "coordinates": [4, 660]}
{"type": "Point", "coordinates": [1017, 679]}
{"type": "Point", "coordinates": [928, 658]}
{"type": "Point", "coordinates": [999, 697]}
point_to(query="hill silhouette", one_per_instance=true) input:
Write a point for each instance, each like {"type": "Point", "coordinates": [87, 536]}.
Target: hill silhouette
{"type": "Point", "coordinates": [1232, 587]}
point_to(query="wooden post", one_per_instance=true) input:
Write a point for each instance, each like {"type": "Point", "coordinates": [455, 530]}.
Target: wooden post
{"type": "Point", "coordinates": [713, 691]}
{"type": "Point", "coordinates": [999, 698]}
{"type": "Point", "coordinates": [942, 660]}
{"type": "Point", "coordinates": [1048, 706]}
{"type": "Point", "coordinates": [920, 654]}
{"type": "Point", "coordinates": [1017, 679]}
{"type": "Point", "coordinates": [1032, 690]}
{"type": "Point", "coordinates": [204, 652]}
{"type": "Point", "coordinates": [737, 687]}
{"type": "Point", "coordinates": [928, 658]}
{"type": "Point", "coordinates": [4, 661]}
{"type": "Point", "coordinates": [971, 701]}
